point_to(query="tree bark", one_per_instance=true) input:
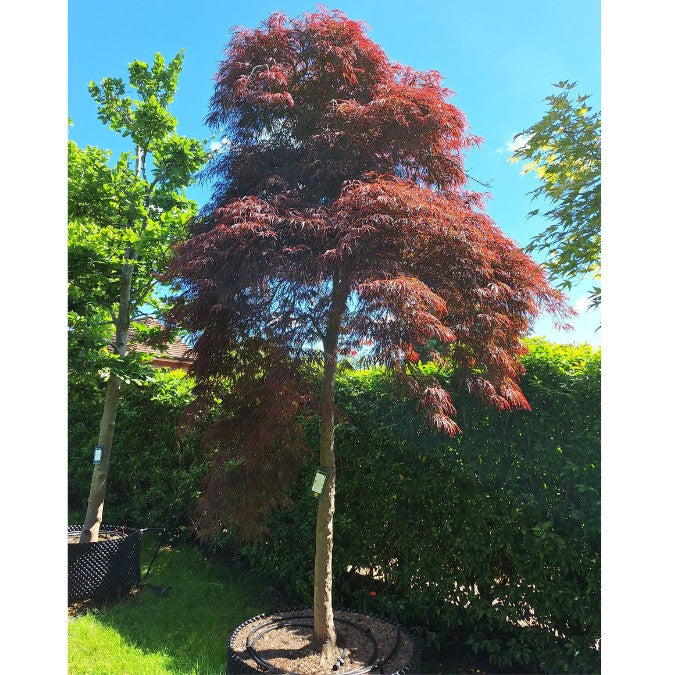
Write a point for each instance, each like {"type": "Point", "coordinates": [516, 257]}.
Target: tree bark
{"type": "Point", "coordinates": [99, 477]}
{"type": "Point", "coordinates": [324, 636]}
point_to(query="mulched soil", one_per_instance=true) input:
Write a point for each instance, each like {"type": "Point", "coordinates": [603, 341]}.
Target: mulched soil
{"type": "Point", "coordinates": [103, 536]}
{"type": "Point", "coordinates": [288, 649]}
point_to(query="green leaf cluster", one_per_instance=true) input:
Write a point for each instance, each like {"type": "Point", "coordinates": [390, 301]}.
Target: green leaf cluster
{"type": "Point", "coordinates": [490, 540]}
{"type": "Point", "coordinates": [126, 214]}
{"type": "Point", "coordinates": [157, 473]}
{"type": "Point", "coordinates": [563, 150]}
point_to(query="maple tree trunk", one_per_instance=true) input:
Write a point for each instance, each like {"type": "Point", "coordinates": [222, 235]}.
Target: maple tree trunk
{"type": "Point", "coordinates": [99, 477]}
{"type": "Point", "coordinates": [323, 636]}
{"type": "Point", "coordinates": [324, 628]}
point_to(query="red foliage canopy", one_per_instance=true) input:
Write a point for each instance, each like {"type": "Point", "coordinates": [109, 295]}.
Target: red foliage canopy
{"type": "Point", "coordinates": [342, 197]}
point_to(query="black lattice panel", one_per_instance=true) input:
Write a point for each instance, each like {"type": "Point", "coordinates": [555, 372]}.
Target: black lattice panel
{"type": "Point", "coordinates": [105, 567]}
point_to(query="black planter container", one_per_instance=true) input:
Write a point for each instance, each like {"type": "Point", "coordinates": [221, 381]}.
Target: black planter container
{"type": "Point", "coordinates": [238, 666]}
{"type": "Point", "coordinates": [104, 568]}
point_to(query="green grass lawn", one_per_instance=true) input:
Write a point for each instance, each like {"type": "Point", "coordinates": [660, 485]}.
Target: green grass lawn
{"type": "Point", "coordinates": [185, 631]}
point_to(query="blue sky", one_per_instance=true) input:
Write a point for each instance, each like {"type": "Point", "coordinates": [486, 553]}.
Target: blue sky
{"type": "Point", "coordinates": [501, 62]}
{"type": "Point", "coordinates": [500, 58]}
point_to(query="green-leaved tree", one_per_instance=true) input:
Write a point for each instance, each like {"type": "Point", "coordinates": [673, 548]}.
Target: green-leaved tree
{"type": "Point", "coordinates": [123, 220]}
{"type": "Point", "coordinates": [563, 148]}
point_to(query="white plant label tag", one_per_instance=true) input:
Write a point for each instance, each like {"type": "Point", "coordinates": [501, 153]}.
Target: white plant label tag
{"type": "Point", "coordinates": [319, 482]}
{"type": "Point", "coordinates": [98, 453]}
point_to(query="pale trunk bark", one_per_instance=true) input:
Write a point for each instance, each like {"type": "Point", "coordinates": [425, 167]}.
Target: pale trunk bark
{"type": "Point", "coordinates": [324, 637]}
{"type": "Point", "coordinates": [99, 477]}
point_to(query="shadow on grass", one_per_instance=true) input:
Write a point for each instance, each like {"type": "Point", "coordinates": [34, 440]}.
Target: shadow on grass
{"type": "Point", "coordinates": [188, 628]}
{"type": "Point", "coordinates": [192, 623]}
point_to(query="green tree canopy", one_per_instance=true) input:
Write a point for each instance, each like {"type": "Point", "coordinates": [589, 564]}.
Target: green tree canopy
{"type": "Point", "coordinates": [123, 219]}
{"type": "Point", "coordinates": [563, 149]}
{"type": "Point", "coordinates": [125, 213]}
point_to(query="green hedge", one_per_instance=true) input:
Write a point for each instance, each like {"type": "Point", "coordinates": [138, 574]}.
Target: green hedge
{"type": "Point", "coordinates": [491, 539]}
{"type": "Point", "coordinates": [154, 477]}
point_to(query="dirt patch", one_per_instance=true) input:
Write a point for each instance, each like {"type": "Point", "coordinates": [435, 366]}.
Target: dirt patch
{"type": "Point", "coordinates": [283, 640]}
{"type": "Point", "coordinates": [81, 607]}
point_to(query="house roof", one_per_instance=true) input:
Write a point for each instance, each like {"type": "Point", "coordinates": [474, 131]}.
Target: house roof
{"type": "Point", "coordinates": [176, 350]}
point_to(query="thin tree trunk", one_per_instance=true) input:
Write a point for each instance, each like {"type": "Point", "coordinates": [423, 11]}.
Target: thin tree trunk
{"type": "Point", "coordinates": [324, 637]}
{"type": "Point", "coordinates": [99, 477]}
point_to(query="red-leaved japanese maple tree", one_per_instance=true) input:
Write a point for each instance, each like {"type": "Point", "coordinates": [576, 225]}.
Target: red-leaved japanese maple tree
{"type": "Point", "coordinates": [341, 221]}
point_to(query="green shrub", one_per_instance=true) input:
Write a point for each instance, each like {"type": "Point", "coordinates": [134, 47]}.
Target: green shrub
{"type": "Point", "coordinates": [491, 539]}
{"type": "Point", "coordinates": [462, 539]}
{"type": "Point", "coordinates": [155, 477]}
